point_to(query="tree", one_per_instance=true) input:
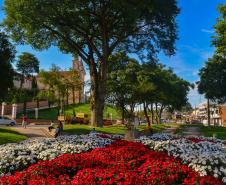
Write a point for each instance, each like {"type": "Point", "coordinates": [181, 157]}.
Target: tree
{"type": "Point", "coordinates": [55, 89]}
{"type": "Point", "coordinates": [212, 81]}
{"type": "Point", "coordinates": [27, 65]}
{"type": "Point", "coordinates": [212, 75]}
{"type": "Point", "coordinates": [73, 83]}
{"type": "Point", "coordinates": [147, 87]}
{"type": "Point", "coordinates": [7, 54]}
{"type": "Point", "coordinates": [94, 30]}
{"type": "Point", "coordinates": [219, 40]}
{"type": "Point", "coordinates": [160, 89]}
{"type": "Point", "coordinates": [122, 84]}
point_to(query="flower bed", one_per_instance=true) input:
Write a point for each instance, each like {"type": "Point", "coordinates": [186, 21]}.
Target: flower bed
{"type": "Point", "coordinates": [20, 155]}
{"type": "Point", "coordinates": [206, 156]}
{"type": "Point", "coordinates": [121, 162]}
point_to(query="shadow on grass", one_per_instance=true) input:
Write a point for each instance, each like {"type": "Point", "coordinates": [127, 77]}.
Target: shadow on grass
{"type": "Point", "coordinates": [78, 131]}
{"type": "Point", "coordinates": [9, 131]}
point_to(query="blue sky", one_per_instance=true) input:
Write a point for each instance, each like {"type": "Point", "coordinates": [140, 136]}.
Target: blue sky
{"type": "Point", "coordinates": [195, 26]}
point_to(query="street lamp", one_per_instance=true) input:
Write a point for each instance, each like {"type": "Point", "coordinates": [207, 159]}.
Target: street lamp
{"type": "Point", "coordinates": [3, 108]}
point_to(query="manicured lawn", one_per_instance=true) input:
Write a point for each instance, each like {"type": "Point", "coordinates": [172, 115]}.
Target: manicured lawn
{"type": "Point", "coordinates": [114, 129]}
{"type": "Point", "coordinates": [219, 132]}
{"type": "Point", "coordinates": [8, 135]}
{"type": "Point", "coordinates": [85, 129]}
{"type": "Point", "coordinates": [51, 114]}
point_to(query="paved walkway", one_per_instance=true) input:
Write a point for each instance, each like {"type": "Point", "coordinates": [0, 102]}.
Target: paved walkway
{"type": "Point", "coordinates": [191, 131]}
{"type": "Point", "coordinates": [186, 131]}
{"type": "Point", "coordinates": [33, 131]}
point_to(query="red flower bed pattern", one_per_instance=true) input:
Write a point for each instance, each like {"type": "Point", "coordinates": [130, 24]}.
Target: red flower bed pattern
{"type": "Point", "coordinates": [197, 140]}
{"type": "Point", "coordinates": [120, 163]}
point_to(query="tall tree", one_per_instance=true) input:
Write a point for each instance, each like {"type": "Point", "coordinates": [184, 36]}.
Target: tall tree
{"type": "Point", "coordinates": [147, 78]}
{"type": "Point", "coordinates": [212, 76]}
{"type": "Point", "coordinates": [27, 65]}
{"type": "Point", "coordinates": [94, 30]}
{"type": "Point", "coordinates": [219, 40]}
{"type": "Point", "coordinates": [73, 83]}
{"type": "Point", "coordinates": [212, 81]}
{"type": "Point", "coordinates": [160, 89]}
{"type": "Point", "coordinates": [55, 87]}
{"type": "Point", "coordinates": [122, 84]}
{"type": "Point", "coordinates": [7, 54]}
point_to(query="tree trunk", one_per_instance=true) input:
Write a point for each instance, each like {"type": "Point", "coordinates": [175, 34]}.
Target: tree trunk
{"type": "Point", "coordinates": [160, 113]}
{"type": "Point", "coordinates": [152, 114]}
{"type": "Point", "coordinates": [156, 114]}
{"type": "Point", "coordinates": [67, 98]}
{"type": "Point", "coordinates": [97, 113]}
{"type": "Point", "coordinates": [79, 96]}
{"type": "Point", "coordinates": [25, 107]}
{"type": "Point", "coordinates": [73, 94]}
{"type": "Point", "coordinates": [21, 82]}
{"type": "Point", "coordinates": [146, 115]}
{"type": "Point", "coordinates": [97, 95]}
{"type": "Point", "coordinates": [123, 115]}
{"type": "Point", "coordinates": [208, 111]}
{"type": "Point", "coordinates": [37, 103]}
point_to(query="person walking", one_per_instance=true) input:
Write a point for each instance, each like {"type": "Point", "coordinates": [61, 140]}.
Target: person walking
{"type": "Point", "coordinates": [24, 121]}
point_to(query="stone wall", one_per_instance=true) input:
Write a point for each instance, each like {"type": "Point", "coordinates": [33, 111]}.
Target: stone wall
{"type": "Point", "coordinates": [20, 107]}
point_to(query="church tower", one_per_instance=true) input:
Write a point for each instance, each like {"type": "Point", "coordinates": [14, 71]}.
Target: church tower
{"type": "Point", "coordinates": [78, 66]}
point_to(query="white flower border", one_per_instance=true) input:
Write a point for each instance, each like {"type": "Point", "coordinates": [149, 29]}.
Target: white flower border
{"type": "Point", "coordinates": [206, 157]}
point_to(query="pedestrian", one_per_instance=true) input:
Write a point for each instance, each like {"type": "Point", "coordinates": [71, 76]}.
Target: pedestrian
{"type": "Point", "coordinates": [24, 121]}
{"type": "Point", "coordinates": [57, 131]}
{"type": "Point", "coordinates": [61, 127]}
{"type": "Point", "coordinates": [51, 126]}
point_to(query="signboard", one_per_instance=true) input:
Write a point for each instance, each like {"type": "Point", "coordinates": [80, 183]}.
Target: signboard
{"type": "Point", "coordinates": [80, 115]}
{"type": "Point", "coordinates": [61, 118]}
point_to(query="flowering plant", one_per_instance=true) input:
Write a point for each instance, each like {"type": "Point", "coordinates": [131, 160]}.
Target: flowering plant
{"type": "Point", "coordinates": [20, 155]}
{"type": "Point", "coordinates": [204, 156]}
{"type": "Point", "coordinates": [122, 162]}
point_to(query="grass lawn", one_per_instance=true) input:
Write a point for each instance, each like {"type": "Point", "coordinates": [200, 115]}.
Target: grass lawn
{"type": "Point", "coordinates": [51, 114]}
{"type": "Point", "coordinates": [85, 129]}
{"type": "Point", "coordinates": [114, 129]}
{"type": "Point", "coordinates": [219, 132]}
{"type": "Point", "coordinates": [8, 135]}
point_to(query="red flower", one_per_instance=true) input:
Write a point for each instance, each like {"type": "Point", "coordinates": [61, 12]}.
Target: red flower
{"type": "Point", "coordinates": [122, 162]}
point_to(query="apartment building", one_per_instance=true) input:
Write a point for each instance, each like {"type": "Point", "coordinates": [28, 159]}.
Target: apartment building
{"type": "Point", "coordinates": [217, 114]}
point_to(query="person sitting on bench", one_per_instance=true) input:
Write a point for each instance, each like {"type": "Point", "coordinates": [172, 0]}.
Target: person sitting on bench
{"type": "Point", "coordinates": [51, 126]}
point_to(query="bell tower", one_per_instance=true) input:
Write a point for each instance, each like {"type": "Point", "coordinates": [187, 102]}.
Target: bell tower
{"type": "Point", "coordinates": [77, 65]}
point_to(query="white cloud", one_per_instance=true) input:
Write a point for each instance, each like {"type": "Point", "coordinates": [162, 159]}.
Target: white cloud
{"type": "Point", "coordinates": [194, 97]}
{"type": "Point", "coordinates": [203, 53]}
{"type": "Point", "coordinates": [207, 31]}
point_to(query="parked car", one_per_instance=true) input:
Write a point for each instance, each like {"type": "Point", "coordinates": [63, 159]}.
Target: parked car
{"type": "Point", "coordinates": [7, 121]}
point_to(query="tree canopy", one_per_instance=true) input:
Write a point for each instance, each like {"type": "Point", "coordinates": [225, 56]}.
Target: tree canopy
{"type": "Point", "coordinates": [131, 84]}
{"type": "Point", "coordinates": [219, 39]}
{"type": "Point", "coordinates": [94, 30]}
{"type": "Point", "coordinates": [213, 79]}
{"type": "Point", "coordinates": [7, 54]}
{"type": "Point", "coordinates": [27, 65]}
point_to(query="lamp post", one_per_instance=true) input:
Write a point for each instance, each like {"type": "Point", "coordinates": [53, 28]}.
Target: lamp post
{"type": "Point", "coordinates": [14, 110]}
{"type": "Point", "coordinates": [3, 108]}
{"type": "Point", "coordinates": [36, 113]}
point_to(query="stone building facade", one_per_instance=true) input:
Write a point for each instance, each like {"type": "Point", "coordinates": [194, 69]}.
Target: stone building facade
{"type": "Point", "coordinates": [77, 65]}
